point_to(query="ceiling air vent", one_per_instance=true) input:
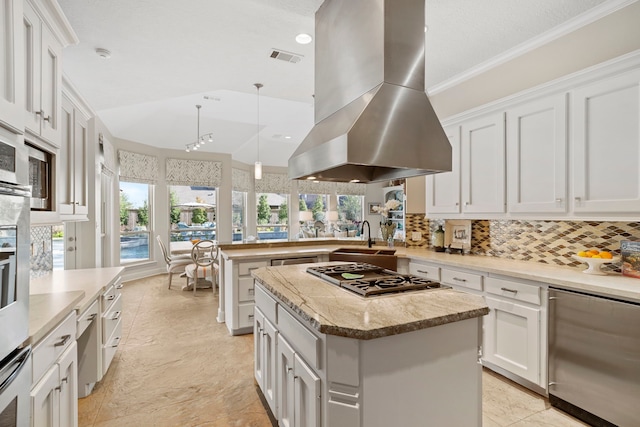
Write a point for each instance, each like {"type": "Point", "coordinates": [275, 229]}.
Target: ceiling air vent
{"type": "Point", "coordinates": [285, 56]}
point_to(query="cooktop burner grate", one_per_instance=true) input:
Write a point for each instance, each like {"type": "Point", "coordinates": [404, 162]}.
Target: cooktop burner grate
{"type": "Point", "coordinates": [372, 280]}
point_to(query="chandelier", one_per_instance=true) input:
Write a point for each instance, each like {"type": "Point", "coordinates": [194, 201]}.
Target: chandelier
{"type": "Point", "coordinates": [200, 139]}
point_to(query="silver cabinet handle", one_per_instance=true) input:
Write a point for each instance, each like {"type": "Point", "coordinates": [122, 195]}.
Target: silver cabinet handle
{"type": "Point", "coordinates": [422, 271]}
{"type": "Point", "coordinates": [111, 297]}
{"type": "Point", "coordinates": [120, 286]}
{"type": "Point", "coordinates": [251, 291]}
{"type": "Point", "coordinates": [577, 199]}
{"type": "Point", "coordinates": [92, 317]}
{"type": "Point", "coordinates": [457, 279]}
{"type": "Point", "coordinates": [552, 383]}
{"type": "Point", "coordinates": [515, 291]}
{"type": "Point", "coordinates": [65, 380]}
{"type": "Point", "coordinates": [116, 315]}
{"type": "Point", "coordinates": [558, 200]}
{"type": "Point", "coordinates": [41, 113]}
{"type": "Point", "coordinates": [117, 342]}
{"type": "Point", "coordinates": [467, 203]}
{"type": "Point", "coordinates": [251, 316]}
{"type": "Point", "coordinates": [63, 341]}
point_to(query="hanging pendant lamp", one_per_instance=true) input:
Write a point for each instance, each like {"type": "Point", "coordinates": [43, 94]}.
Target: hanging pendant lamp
{"type": "Point", "coordinates": [258, 165]}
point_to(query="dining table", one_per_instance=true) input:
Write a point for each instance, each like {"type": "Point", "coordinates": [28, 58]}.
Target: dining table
{"type": "Point", "coordinates": [180, 247]}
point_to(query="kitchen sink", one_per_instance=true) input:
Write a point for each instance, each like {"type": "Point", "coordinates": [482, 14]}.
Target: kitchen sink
{"type": "Point", "coordinates": [384, 258]}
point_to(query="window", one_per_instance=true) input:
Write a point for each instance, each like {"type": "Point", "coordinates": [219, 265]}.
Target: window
{"type": "Point", "coordinates": [135, 221]}
{"type": "Point", "coordinates": [57, 237]}
{"type": "Point", "coordinates": [238, 214]}
{"type": "Point", "coordinates": [273, 216]}
{"type": "Point", "coordinates": [192, 212]}
{"type": "Point", "coordinates": [350, 210]}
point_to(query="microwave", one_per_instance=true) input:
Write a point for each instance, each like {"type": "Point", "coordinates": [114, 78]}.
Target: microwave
{"type": "Point", "coordinates": [40, 177]}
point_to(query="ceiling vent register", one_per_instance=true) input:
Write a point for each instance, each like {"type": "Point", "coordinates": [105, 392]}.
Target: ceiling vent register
{"type": "Point", "coordinates": [285, 56]}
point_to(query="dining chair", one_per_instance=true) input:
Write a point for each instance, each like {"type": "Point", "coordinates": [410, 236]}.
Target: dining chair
{"type": "Point", "coordinates": [176, 263]}
{"type": "Point", "coordinates": [204, 256]}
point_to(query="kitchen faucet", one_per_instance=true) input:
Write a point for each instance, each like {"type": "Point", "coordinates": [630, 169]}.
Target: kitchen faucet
{"type": "Point", "coordinates": [369, 241]}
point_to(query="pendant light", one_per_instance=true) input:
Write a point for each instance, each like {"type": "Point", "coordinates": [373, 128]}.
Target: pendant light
{"type": "Point", "coordinates": [258, 165]}
{"type": "Point", "coordinates": [200, 139]}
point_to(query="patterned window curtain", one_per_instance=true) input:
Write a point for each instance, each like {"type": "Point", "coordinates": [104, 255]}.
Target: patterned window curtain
{"type": "Point", "coordinates": [136, 167]}
{"type": "Point", "coordinates": [273, 183]}
{"type": "Point", "coordinates": [240, 180]}
{"type": "Point", "coordinates": [194, 172]}
{"type": "Point", "coordinates": [321, 187]}
{"type": "Point", "coordinates": [351, 189]}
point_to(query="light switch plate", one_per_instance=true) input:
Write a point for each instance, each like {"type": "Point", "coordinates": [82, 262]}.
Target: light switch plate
{"type": "Point", "coordinates": [416, 235]}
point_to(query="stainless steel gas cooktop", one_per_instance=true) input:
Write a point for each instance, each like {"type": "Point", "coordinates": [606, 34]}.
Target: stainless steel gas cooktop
{"type": "Point", "coordinates": [370, 280]}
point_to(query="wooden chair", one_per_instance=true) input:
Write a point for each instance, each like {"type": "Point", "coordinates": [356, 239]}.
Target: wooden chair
{"type": "Point", "coordinates": [204, 256]}
{"type": "Point", "coordinates": [175, 264]}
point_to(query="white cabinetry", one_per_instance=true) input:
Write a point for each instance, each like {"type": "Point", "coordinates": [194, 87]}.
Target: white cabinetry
{"type": "Point", "coordinates": [239, 294]}
{"type": "Point", "coordinates": [483, 165]}
{"type": "Point", "coordinates": [514, 328]}
{"type": "Point", "coordinates": [265, 338]}
{"type": "Point", "coordinates": [54, 398]}
{"type": "Point", "coordinates": [397, 215]}
{"type": "Point", "coordinates": [443, 189]}
{"type": "Point", "coordinates": [72, 180]}
{"type": "Point", "coordinates": [111, 307]}
{"type": "Point", "coordinates": [537, 156]}
{"type": "Point", "coordinates": [606, 145]}
{"type": "Point", "coordinates": [11, 74]}
{"type": "Point", "coordinates": [43, 76]}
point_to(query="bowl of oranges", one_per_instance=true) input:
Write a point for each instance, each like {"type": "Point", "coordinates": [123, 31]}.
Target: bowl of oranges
{"type": "Point", "coordinates": [595, 259]}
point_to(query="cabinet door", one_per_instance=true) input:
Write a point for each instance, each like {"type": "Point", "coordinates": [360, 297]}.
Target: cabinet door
{"type": "Point", "coordinates": [512, 338]}
{"type": "Point", "coordinates": [443, 189]}
{"type": "Point", "coordinates": [483, 165]}
{"type": "Point", "coordinates": [11, 74]}
{"type": "Point", "coordinates": [606, 152]}
{"type": "Point", "coordinates": [537, 156]}
{"type": "Point", "coordinates": [32, 48]}
{"type": "Point", "coordinates": [258, 344]}
{"type": "Point", "coordinates": [285, 390]}
{"type": "Point", "coordinates": [269, 357]}
{"type": "Point", "coordinates": [45, 405]}
{"type": "Point", "coordinates": [64, 176]}
{"type": "Point", "coordinates": [307, 395]}
{"type": "Point", "coordinates": [50, 86]}
{"type": "Point", "coordinates": [68, 387]}
{"type": "Point", "coordinates": [80, 176]}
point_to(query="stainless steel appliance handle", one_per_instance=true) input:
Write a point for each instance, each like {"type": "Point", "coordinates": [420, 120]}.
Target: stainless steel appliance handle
{"type": "Point", "coordinates": [11, 370]}
{"type": "Point", "coordinates": [15, 189]}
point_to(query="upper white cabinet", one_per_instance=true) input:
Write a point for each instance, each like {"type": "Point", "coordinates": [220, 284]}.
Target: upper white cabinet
{"type": "Point", "coordinates": [72, 178]}
{"type": "Point", "coordinates": [606, 145]}
{"type": "Point", "coordinates": [43, 77]}
{"type": "Point", "coordinates": [11, 74]}
{"type": "Point", "coordinates": [443, 189]}
{"type": "Point", "coordinates": [537, 156]}
{"type": "Point", "coordinates": [483, 164]}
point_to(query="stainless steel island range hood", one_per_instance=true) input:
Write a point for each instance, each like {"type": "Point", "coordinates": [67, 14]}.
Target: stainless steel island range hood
{"type": "Point", "coordinates": [373, 119]}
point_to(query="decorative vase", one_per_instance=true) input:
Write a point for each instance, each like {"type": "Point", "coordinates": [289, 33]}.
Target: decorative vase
{"type": "Point", "coordinates": [387, 230]}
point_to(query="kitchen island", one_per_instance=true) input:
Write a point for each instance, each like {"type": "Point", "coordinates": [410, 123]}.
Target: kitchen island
{"type": "Point", "coordinates": [331, 358]}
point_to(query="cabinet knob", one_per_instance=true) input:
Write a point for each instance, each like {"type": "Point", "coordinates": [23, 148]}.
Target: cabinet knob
{"type": "Point", "coordinates": [466, 203]}
{"type": "Point", "coordinates": [577, 199]}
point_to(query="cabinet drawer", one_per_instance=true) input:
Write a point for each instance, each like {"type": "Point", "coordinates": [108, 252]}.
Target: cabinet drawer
{"type": "Point", "coordinates": [300, 337]}
{"type": "Point", "coordinates": [244, 268]}
{"type": "Point", "coordinates": [85, 319]}
{"type": "Point", "coordinates": [246, 289]}
{"type": "Point", "coordinates": [108, 297]}
{"type": "Point", "coordinates": [427, 271]}
{"type": "Point", "coordinates": [516, 290]}
{"type": "Point", "coordinates": [459, 278]}
{"type": "Point", "coordinates": [267, 305]}
{"type": "Point", "coordinates": [47, 351]}
{"type": "Point", "coordinates": [111, 346]}
{"type": "Point", "coordinates": [245, 315]}
{"type": "Point", "coordinates": [111, 318]}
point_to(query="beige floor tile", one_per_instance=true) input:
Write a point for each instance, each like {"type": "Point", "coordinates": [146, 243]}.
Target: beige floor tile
{"type": "Point", "coordinates": [176, 366]}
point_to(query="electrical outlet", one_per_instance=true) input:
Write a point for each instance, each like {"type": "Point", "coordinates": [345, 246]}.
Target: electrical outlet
{"type": "Point", "coordinates": [416, 235]}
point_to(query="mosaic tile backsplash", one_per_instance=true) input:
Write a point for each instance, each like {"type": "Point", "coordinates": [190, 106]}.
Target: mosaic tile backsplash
{"type": "Point", "coordinates": [550, 242]}
{"type": "Point", "coordinates": [41, 251]}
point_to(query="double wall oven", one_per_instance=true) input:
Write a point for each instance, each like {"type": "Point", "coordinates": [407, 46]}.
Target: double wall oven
{"type": "Point", "coordinates": [15, 374]}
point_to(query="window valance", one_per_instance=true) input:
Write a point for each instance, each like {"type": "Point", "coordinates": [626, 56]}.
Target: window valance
{"type": "Point", "coordinates": [194, 172]}
{"type": "Point", "coordinates": [240, 180]}
{"type": "Point", "coordinates": [273, 183]}
{"type": "Point", "coordinates": [136, 167]}
{"type": "Point", "coordinates": [320, 187]}
{"type": "Point", "coordinates": [351, 189]}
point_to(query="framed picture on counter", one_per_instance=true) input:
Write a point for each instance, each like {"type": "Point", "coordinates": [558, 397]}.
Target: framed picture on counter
{"type": "Point", "coordinates": [374, 205]}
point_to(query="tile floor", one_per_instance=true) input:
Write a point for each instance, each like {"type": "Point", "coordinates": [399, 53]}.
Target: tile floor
{"type": "Point", "coordinates": [176, 366]}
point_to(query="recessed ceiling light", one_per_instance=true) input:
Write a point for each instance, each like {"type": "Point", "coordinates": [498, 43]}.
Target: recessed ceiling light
{"type": "Point", "coordinates": [311, 178]}
{"type": "Point", "coordinates": [103, 53]}
{"type": "Point", "coordinates": [287, 137]}
{"type": "Point", "coordinates": [303, 38]}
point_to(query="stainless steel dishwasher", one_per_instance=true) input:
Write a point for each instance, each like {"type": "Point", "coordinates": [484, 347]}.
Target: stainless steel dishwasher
{"type": "Point", "coordinates": [594, 358]}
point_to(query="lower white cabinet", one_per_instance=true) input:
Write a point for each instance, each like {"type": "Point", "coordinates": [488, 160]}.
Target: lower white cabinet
{"type": "Point", "coordinates": [54, 394]}
{"type": "Point", "coordinates": [265, 338]}
{"type": "Point", "coordinates": [299, 389]}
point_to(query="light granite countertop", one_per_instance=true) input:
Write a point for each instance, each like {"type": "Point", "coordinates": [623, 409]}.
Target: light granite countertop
{"type": "Point", "coordinates": [332, 310]}
{"type": "Point", "coordinates": [611, 285]}
{"type": "Point", "coordinates": [47, 310]}
{"type": "Point", "coordinates": [54, 296]}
